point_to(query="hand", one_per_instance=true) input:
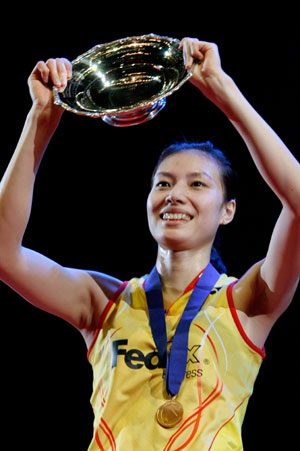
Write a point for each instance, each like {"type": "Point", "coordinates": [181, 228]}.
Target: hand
{"type": "Point", "coordinates": [55, 72]}
{"type": "Point", "coordinates": [207, 72]}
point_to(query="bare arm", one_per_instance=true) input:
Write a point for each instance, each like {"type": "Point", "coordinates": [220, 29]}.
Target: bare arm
{"type": "Point", "coordinates": [71, 294]}
{"type": "Point", "coordinates": [268, 287]}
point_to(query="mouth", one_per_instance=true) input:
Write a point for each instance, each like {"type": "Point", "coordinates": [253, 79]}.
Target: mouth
{"type": "Point", "coordinates": [184, 217]}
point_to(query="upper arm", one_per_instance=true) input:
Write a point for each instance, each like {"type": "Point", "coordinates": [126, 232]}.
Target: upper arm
{"type": "Point", "coordinates": [71, 294]}
{"type": "Point", "coordinates": [267, 289]}
{"type": "Point", "coordinates": [281, 268]}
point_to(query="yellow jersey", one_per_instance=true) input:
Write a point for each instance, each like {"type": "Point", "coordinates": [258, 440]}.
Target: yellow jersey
{"type": "Point", "coordinates": [129, 378]}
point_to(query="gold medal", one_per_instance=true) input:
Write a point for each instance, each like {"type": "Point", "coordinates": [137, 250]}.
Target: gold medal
{"type": "Point", "coordinates": [169, 414]}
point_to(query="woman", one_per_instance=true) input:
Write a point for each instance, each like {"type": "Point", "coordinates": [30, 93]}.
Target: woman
{"type": "Point", "coordinates": [219, 347]}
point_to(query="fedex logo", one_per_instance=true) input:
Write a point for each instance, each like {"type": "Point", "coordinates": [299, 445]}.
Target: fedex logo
{"type": "Point", "coordinates": [136, 359]}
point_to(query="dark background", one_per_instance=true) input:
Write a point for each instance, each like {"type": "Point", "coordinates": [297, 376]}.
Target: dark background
{"type": "Point", "coordinates": [89, 212]}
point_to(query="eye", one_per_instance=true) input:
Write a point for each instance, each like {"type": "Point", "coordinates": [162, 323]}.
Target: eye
{"type": "Point", "coordinates": [163, 184]}
{"type": "Point", "coordinates": [198, 184]}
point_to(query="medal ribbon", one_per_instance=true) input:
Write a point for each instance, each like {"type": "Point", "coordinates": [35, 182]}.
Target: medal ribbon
{"type": "Point", "coordinates": [176, 361]}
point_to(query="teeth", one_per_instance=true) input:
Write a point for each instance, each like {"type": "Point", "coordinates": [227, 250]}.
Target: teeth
{"type": "Point", "coordinates": [176, 216]}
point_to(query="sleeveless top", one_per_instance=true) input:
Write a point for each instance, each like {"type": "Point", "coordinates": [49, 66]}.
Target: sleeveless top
{"type": "Point", "coordinates": [128, 377]}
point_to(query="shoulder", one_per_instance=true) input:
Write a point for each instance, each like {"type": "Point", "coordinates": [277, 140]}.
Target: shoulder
{"type": "Point", "coordinates": [104, 291]}
{"type": "Point", "coordinates": [108, 284]}
{"type": "Point", "coordinates": [122, 298]}
{"type": "Point", "coordinates": [256, 303]}
{"type": "Point", "coordinates": [245, 291]}
{"type": "Point", "coordinates": [116, 290]}
{"type": "Point", "coordinates": [254, 297]}
{"type": "Point", "coordinates": [225, 280]}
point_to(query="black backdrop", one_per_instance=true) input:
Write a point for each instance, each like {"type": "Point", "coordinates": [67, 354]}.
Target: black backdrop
{"type": "Point", "coordinates": [89, 212]}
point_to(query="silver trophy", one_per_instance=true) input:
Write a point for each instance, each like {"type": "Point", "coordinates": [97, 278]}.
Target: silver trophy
{"type": "Point", "coordinates": [125, 82]}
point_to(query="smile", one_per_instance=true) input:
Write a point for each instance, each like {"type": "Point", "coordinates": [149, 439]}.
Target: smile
{"type": "Point", "coordinates": [176, 217]}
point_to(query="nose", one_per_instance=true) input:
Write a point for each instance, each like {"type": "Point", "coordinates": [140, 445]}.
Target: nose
{"type": "Point", "coordinates": [176, 196]}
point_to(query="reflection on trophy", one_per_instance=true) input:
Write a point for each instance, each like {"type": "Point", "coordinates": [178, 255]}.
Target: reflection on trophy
{"type": "Point", "coordinates": [125, 82]}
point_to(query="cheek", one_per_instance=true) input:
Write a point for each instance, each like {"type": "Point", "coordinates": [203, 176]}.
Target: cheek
{"type": "Point", "coordinates": [150, 207]}
{"type": "Point", "coordinates": [154, 202]}
{"type": "Point", "coordinates": [210, 213]}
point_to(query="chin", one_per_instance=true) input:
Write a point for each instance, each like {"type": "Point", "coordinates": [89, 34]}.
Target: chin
{"type": "Point", "coordinates": [180, 242]}
{"type": "Point", "coordinates": [175, 245]}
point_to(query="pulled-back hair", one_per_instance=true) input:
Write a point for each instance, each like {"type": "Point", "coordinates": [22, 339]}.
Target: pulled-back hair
{"type": "Point", "coordinates": [228, 177]}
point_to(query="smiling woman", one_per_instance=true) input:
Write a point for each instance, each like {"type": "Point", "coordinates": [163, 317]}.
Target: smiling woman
{"type": "Point", "coordinates": [187, 202]}
{"type": "Point", "coordinates": [202, 179]}
{"type": "Point", "coordinates": [175, 354]}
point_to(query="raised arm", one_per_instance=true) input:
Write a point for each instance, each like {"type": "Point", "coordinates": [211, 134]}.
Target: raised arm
{"type": "Point", "coordinates": [71, 294]}
{"type": "Point", "coordinates": [267, 289]}
{"type": "Point", "coordinates": [18, 181]}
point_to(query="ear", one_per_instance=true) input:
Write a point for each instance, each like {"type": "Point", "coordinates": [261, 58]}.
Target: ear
{"type": "Point", "coordinates": [228, 212]}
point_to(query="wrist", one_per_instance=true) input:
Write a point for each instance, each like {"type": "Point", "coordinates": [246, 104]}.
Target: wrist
{"type": "Point", "coordinates": [228, 97]}
{"type": "Point", "coordinates": [48, 117]}
{"type": "Point", "coordinates": [40, 127]}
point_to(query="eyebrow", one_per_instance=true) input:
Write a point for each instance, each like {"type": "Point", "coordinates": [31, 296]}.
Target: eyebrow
{"type": "Point", "coordinates": [191, 174]}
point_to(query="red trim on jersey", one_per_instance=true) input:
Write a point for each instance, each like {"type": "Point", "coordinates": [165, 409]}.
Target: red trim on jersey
{"type": "Point", "coordinates": [105, 313]}
{"type": "Point", "coordinates": [98, 441]}
{"type": "Point", "coordinates": [193, 283]}
{"type": "Point", "coordinates": [260, 351]}
{"type": "Point", "coordinates": [190, 287]}
{"type": "Point", "coordinates": [107, 431]}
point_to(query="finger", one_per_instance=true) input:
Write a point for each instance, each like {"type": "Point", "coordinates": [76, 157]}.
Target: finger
{"type": "Point", "coordinates": [68, 66]}
{"type": "Point", "coordinates": [60, 70]}
{"type": "Point", "coordinates": [187, 58]}
{"type": "Point", "coordinates": [191, 51]}
{"type": "Point", "coordinates": [64, 68]}
{"type": "Point", "coordinates": [54, 76]}
{"type": "Point", "coordinates": [195, 49]}
{"type": "Point", "coordinates": [62, 73]}
{"type": "Point", "coordinates": [42, 69]}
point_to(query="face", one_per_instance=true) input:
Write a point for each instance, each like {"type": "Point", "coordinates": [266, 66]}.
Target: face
{"type": "Point", "coordinates": [186, 203]}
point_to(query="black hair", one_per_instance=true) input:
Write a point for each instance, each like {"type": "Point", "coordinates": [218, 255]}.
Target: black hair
{"type": "Point", "coordinates": [228, 176]}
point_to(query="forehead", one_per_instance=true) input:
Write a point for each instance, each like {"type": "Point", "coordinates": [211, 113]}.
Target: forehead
{"type": "Point", "coordinates": [183, 163]}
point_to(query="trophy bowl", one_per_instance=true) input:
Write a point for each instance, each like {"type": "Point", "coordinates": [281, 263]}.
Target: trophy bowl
{"type": "Point", "coordinates": [125, 82]}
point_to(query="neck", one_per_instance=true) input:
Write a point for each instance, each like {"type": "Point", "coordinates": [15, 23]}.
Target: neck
{"type": "Point", "coordinates": [177, 269]}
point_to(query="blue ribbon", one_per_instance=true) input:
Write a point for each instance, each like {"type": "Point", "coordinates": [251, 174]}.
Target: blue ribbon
{"type": "Point", "coordinates": [176, 361]}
